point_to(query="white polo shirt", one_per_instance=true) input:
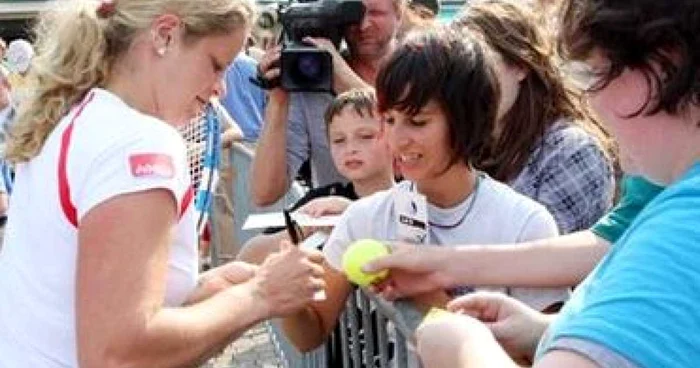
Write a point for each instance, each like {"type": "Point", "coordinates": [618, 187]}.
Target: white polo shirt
{"type": "Point", "coordinates": [101, 149]}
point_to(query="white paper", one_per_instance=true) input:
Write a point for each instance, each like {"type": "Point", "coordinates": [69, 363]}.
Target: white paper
{"type": "Point", "coordinates": [276, 219]}
{"type": "Point", "coordinates": [315, 241]}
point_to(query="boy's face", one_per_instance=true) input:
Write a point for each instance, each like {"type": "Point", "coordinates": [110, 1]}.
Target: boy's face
{"type": "Point", "coordinates": [357, 145]}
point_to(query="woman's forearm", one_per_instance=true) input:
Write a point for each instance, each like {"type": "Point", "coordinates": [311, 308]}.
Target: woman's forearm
{"type": "Point", "coordinates": [309, 328]}
{"type": "Point", "coordinates": [559, 261]}
{"type": "Point", "coordinates": [175, 337]}
{"type": "Point", "coordinates": [304, 330]}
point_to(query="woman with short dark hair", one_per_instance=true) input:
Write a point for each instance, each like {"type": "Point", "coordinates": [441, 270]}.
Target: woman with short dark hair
{"type": "Point", "coordinates": [438, 97]}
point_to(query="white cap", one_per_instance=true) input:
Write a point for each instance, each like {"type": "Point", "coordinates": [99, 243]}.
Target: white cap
{"type": "Point", "coordinates": [19, 55]}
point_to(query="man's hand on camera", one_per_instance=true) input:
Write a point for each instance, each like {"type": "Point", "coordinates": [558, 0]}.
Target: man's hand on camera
{"type": "Point", "coordinates": [269, 70]}
{"type": "Point", "coordinates": [344, 78]}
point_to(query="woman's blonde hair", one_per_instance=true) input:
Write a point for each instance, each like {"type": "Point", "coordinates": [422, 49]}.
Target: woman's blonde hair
{"type": "Point", "coordinates": [78, 43]}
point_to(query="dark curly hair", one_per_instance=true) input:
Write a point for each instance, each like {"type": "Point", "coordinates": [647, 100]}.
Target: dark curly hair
{"type": "Point", "coordinates": [661, 38]}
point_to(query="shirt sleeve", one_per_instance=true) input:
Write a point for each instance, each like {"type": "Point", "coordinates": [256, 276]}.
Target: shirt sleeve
{"type": "Point", "coordinates": [345, 232]}
{"type": "Point", "coordinates": [599, 354]}
{"type": "Point", "coordinates": [298, 140]}
{"type": "Point", "coordinates": [152, 159]}
{"type": "Point", "coordinates": [539, 225]}
{"type": "Point", "coordinates": [636, 193]}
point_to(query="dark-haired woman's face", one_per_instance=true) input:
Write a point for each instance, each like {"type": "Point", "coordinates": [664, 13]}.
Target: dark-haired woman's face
{"type": "Point", "coordinates": [419, 143]}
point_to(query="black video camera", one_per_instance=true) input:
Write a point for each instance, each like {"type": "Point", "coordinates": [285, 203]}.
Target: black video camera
{"type": "Point", "coordinates": [305, 68]}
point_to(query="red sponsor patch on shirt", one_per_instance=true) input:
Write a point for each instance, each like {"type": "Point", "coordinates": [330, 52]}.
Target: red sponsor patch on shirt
{"type": "Point", "coordinates": [154, 165]}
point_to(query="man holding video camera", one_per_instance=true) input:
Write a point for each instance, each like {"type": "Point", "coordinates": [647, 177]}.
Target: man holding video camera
{"type": "Point", "coordinates": [298, 94]}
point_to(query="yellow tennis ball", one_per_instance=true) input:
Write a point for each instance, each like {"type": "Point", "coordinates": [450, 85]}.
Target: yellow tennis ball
{"type": "Point", "coordinates": [360, 253]}
{"type": "Point", "coordinates": [436, 313]}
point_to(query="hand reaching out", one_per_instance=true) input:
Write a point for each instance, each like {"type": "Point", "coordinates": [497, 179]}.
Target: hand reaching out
{"type": "Point", "coordinates": [412, 271]}
{"type": "Point", "coordinates": [517, 327]}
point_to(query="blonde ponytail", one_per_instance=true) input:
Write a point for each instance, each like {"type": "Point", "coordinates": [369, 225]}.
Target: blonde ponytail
{"type": "Point", "coordinates": [76, 49]}
{"type": "Point", "coordinates": [70, 59]}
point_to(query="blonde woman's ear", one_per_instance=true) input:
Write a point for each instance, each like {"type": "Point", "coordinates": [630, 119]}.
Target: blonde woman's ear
{"type": "Point", "coordinates": [162, 32]}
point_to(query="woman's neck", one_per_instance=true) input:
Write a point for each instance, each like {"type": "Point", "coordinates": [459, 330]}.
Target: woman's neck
{"type": "Point", "coordinates": [132, 85]}
{"type": "Point", "coordinates": [451, 188]}
{"type": "Point", "coordinates": [371, 185]}
{"type": "Point", "coordinates": [675, 144]}
{"type": "Point", "coordinates": [685, 152]}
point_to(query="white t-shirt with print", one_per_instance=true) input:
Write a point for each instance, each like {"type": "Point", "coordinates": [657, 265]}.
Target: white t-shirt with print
{"type": "Point", "coordinates": [113, 150]}
{"type": "Point", "coordinates": [499, 215]}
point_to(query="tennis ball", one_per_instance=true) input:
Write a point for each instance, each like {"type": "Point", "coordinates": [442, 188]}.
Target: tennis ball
{"type": "Point", "coordinates": [436, 313]}
{"type": "Point", "coordinates": [360, 253]}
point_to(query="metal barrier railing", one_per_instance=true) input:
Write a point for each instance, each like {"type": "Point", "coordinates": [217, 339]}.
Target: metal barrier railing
{"type": "Point", "coordinates": [363, 338]}
{"type": "Point", "coordinates": [289, 356]}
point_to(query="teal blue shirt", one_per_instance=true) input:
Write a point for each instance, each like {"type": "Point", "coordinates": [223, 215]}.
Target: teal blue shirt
{"type": "Point", "coordinates": [637, 192]}
{"type": "Point", "coordinates": [642, 300]}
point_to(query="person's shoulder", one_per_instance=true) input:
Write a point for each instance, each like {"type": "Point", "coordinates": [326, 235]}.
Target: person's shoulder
{"type": "Point", "coordinates": [668, 221]}
{"type": "Point", "coordinates": [245, 59]}
{"type": "Point", "coordinates": [690, 182]}
{"type": "Point", "coordinates": [684, 194]}
{"type": "Point", "coordinates": [568, 134]}
{"type": "Point", "coordinates": [373, 203]}
{"type": "Point", "coordinates": [526, 218]}
{"type": "Point", "coordinates": [245, 64]}
{"type": "Point", "coordinates": [504, 199]}
{"type": "Point", "coordinates": [311, 100]}
{"type": "Point", "coordinates": [111, 119]}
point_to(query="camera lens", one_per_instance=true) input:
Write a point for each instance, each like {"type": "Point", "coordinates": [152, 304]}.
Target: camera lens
{"type": "Point", "coordinates": [306, 69]}
{"type": "Point", "coordinates": [309, 66]}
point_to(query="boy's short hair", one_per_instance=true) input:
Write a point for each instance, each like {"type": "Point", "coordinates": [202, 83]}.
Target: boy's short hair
{"type": "Point", "coordinates": [362, 100]}
{"type": "Point", "coordinates": [658, 38]}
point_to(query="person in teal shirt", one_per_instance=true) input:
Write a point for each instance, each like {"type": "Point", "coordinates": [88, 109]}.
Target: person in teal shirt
{"type": "Point", "coordinates": [637, 192]}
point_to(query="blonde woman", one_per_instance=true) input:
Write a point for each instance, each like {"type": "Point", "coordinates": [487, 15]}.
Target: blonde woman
{"type": "Point", "coordinates": [99, 267]}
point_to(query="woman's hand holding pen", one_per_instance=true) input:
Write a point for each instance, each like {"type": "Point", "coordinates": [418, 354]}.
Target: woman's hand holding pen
{"type": "Point", "coordinates": [288, 279]}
